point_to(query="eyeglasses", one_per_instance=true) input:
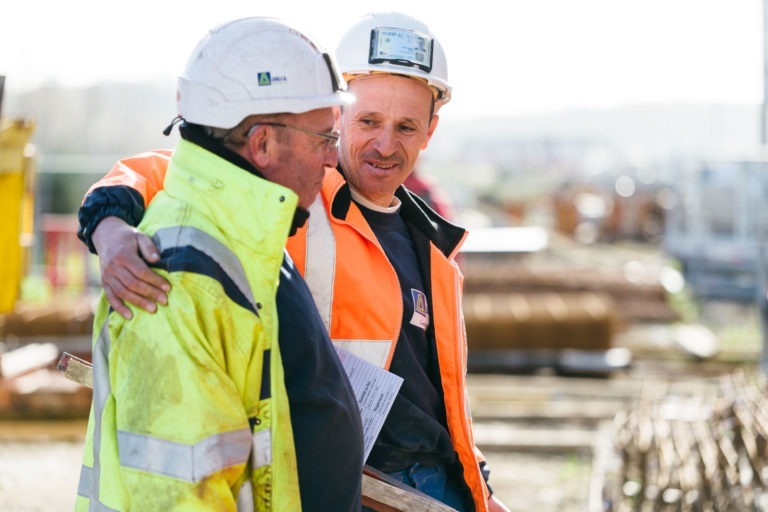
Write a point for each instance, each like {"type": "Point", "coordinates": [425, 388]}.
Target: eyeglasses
{"type": "Point", "coordinates": [331, 139]}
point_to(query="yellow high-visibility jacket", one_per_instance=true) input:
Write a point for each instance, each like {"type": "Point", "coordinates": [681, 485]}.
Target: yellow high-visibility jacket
{"type": "Point", "coordinates": [190, 410]}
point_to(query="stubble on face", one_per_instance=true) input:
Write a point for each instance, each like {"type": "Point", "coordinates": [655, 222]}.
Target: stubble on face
{"type": "Point", "coordinates": [300, 159]}
{"type": "Point", "coordinates": [383, 133]}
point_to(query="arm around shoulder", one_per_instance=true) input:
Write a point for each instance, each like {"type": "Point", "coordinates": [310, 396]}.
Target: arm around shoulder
{"type": "Point", "coordinates": [125, 274]}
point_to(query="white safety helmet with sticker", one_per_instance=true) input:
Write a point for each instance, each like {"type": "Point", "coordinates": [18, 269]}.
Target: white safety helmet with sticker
{"type": "Point", "coordinates": [256, 66]}
{"type": "Point", "coordinates": [392, 42]}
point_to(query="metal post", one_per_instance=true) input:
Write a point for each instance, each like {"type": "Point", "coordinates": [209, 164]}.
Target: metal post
{"type": "Point", "coordinates": [764, 110]}
{"type": "Point", "coordinates": [762, 301]}
{"type": "Point", "coordinates": [762, 248]}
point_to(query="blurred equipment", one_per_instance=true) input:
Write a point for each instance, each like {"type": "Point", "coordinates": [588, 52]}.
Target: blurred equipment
{"type": "Point", "coordinates": [623, 209]}
{"type": "Point", "coordinates": [17, 177]}
{"type": "Point", "coordinates": [32, 332]}
{"type": "Point", "coordinates": [716, 226]}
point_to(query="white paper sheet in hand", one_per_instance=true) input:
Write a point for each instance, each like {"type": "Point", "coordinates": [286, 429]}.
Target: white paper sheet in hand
{"type": "Point", "coordinates": [375, 389]}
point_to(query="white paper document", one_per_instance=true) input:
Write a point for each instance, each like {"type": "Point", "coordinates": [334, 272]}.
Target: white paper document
{"type": "Point", "coordinates": [375, 389]}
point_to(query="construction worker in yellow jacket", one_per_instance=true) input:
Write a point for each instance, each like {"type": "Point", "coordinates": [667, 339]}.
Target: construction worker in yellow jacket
{"type": "Point", "coordinates": [231, 397]}
{"type": "Point", "coordinates": [380, 263]}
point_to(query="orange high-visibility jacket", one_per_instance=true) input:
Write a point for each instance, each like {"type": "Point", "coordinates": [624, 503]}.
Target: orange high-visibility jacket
{"type": "Point", "coordinates": [357, 290]}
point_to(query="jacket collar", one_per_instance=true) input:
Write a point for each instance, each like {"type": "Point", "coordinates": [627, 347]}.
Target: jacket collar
{"type": "Point", "coordinates": [447, 237]}
{"type": "Point", "coordinates": [196, 134]}
{"type": "Point", "coordinates": [254, 211]}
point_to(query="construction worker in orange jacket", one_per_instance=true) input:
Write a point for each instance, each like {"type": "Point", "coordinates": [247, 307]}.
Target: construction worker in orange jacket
{"type": "Point", "coordinates": [379, 262]}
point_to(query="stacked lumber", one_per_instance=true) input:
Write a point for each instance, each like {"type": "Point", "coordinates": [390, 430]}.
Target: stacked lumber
{"type": "Point", "coordinates": [32, 337]}
{"type": "Point", "coordinates": [543, 321]}
{"type": "Point", "coordinates": [58, 318]}
{"type": "Point", "coordinates": [636, 300]}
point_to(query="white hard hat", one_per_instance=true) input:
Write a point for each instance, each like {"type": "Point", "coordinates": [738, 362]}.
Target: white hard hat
{"type": "Point", "coordinates": [256, 66]}
{"type": "Point", "coordinates": [392, 42]}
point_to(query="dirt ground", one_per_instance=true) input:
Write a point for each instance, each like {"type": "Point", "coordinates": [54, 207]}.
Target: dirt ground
{"type": "Point", "coordinates": [42, 477]}
{"type": "Point", "coordinates": [541, 483]}
{"type": "Point", "coordinates": [39, 476]}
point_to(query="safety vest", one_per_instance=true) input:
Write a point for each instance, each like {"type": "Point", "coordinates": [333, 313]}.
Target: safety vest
{"type": "Point", "coordinates": [358, 295]}
{"type": "Point", "coordinates": [190, 407]}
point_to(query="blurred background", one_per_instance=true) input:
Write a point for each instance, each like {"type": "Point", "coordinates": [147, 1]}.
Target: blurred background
{"type": "Point", "coordinates": [608, 158]}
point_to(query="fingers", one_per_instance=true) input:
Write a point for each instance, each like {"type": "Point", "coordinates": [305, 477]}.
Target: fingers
{"type": "Point", "coordinates": [151, 284]}
{"type": "Point", "coordinates": [119, 295]}
{"type": "Point", "coordinates": [117, 304]}
{"type": "Point", "coordinates": [147, 247]}
{"type": "Point", "coordinates": [125, 276]}
{"type": "Point", "coordinates": [131, 280]}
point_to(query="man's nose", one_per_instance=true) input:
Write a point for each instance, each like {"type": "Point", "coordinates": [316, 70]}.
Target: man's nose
{"type": "Point", "coordinates": [331, 158]}
{"type": "Point", "coordinates": [386, 142]}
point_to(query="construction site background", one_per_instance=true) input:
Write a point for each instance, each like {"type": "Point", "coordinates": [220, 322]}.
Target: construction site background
{"type": "Point", "coordinates": [577, 316]}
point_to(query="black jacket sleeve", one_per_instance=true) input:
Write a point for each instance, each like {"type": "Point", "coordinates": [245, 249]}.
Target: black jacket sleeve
{"type": "Point", "coordinates": [485, 470]}
{"type": "Point", "coordinates": [113, 201]}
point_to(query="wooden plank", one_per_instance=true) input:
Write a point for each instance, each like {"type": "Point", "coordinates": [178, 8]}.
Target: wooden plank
{"type": "Point", "coordinates": [76, 369]}
{"type": "Point", "coordinates": [385, 494]}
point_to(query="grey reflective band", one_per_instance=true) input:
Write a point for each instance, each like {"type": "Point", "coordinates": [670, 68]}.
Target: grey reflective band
{"type": "Point", "coordinates": [89, 477]}
{"type": "Point", "coordinates": [179, 236]}
{"type": "Point", "coordinates": [320, 267]}
{"type": "Point", "coordinates": [262, 448]}
{"type": "Point", "coordinates": [406, 48]}
{"type": "Point", "coordinates": [189, 462]}
{"type": "Point", "coordinates": [84, 490]}
{"type": "Point", "coordinates": [245, 497]}
{"type": "Point", "coordinates": [84, 485]}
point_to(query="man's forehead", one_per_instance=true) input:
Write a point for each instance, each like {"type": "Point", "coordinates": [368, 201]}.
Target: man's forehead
{"type": "Point", "coordinates": [391, 79]}
{"type": "Point", "coordinates": [386, 87]}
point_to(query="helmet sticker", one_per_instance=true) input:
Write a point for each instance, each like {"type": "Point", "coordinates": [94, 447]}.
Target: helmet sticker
{"type": "Point", "coordinates": [401, 47]}
{"type": "Point", "coordinates": [265, 78]}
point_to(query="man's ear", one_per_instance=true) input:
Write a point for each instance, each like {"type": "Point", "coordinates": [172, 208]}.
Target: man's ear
{"type": "Point", "coordinates": [258, 146]}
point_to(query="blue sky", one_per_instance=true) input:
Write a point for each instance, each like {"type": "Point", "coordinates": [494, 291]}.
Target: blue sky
{"type": "Point", "coordinates": [511, 57]}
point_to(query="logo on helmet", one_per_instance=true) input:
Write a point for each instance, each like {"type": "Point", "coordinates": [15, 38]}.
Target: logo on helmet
{"type": "Point", "coordinates": [266, 78]}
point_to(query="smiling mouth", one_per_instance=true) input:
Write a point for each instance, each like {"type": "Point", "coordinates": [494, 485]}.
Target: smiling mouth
{"type": "Point", "coordinates": [384, 167]}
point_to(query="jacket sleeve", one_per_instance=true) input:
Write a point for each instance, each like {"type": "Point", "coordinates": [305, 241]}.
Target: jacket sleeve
{"type": "Point", "coordinates": [183, 435]}
{"type": "Point", "coordinates": [486, 472]}
{"type": "Point", "coordinates": [123, 192]}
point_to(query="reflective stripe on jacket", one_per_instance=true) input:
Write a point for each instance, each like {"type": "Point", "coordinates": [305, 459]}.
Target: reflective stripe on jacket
{"type": "Point", "coordinates": [353, 284]}
{"type": "Point", "coordinates": [190, 409]}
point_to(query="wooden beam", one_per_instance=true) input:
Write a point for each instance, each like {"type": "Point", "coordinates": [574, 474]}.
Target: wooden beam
{"type": "Point", "coordinates": [76, 369]}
